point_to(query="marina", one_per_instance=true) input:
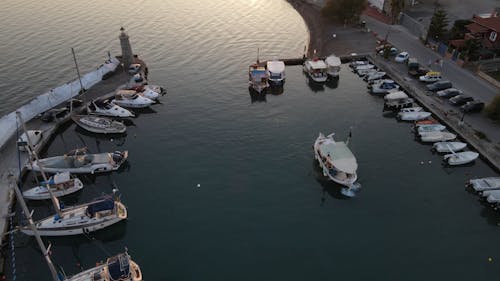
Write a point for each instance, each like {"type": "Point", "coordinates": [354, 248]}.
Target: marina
{"type": "Point", "coordinates": [236, 184]}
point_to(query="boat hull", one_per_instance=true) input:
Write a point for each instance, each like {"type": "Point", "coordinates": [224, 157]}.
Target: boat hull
{"type": "Point", "coordinates": [41, 193]}
{"type": "Point", "coordinates": [67, 231]}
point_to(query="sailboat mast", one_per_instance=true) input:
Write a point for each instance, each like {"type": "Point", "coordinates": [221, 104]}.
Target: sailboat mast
{"type": "Point", "coordinates": [79, 79]}
{"type": "Point", "coordinates": [27, 213]}
{"type": "Point", "coordinates": [55, 202]}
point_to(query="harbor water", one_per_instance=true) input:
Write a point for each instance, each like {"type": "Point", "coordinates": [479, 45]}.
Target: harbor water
{"type": "Point", "coordinates": [222, 185]}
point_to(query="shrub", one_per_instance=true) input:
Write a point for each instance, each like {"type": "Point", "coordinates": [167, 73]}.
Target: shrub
{"type": "Point", "coordinates": [493, 109]}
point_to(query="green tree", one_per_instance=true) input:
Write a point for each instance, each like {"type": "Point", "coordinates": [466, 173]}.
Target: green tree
{"type": "Point", "coordinates": [437, 28]}
{"type": "Point", "coordinates": [493, 109]}
{"type": "Point", "coordinates": [344, 11]}
{"type": "Point", "coordinates": [471, 49]}
{"type": "Point", "coordinates": [458, 30]}
{"type": "Point", "coordinates": [397, 7]}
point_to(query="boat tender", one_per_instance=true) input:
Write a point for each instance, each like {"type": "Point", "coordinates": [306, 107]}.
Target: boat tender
{"type": "Point", "coordinates": [460, 158]}
{"type": "Point", "coordinates": [449, 146]}
{"type": "Point", "coordinates": [413, 116]}
{"type": "Point", "coordinates": [60, 184]}
{"type": "Point", "coordinates": [437, 136]}
{"type": "Point", "coordinates": [107, 108]}
{"type": "Point", "coordinates": [99, 124]}
{"type": "Point", "coordinates": [483, 184]}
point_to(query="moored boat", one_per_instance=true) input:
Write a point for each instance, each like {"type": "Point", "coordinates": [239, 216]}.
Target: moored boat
{"type": "Point", "coordinates": [449, 146]}
{"type": "Point", "coordinates": [80, 161]}
{"type": "Point", "coordinates": [374, 76]}
{"type": "Point", "coordinates": [98, 124]}
{"type": "Point", "coordinates": [461, 158]}
{"type": "Point", "coordinates": [34, 135]}
{"type": "Point", "coordinates": [276, 73]}
{"type": "Point", "coordinates": [482, 184]}
{"type": "Point", "coordinates": [257, 78]}
{"type": "Point", "coordinates": [333, 64]}
{"type": "Point", "coordinates": [437, 137]}
{"type": "Point", "coordinates": [430, 128]}
{"type": "Point", "coordinates": [107, 108]}
{"type": "Point", "coordinates": [337, 161]}
{"type": "Point", "coordinates": [60, 184]}
{"type": "Point", "coordinates": [130, 99]}
{"type": "Point", "coordinates": [316, 69]}
{"type": "Point", "coordinates": [413, 116]}
{"type": "Point", "coordinates": [384, 86]}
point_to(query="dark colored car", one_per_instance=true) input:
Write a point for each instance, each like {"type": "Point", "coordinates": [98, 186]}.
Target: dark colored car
{"type": "Point", "coordinates": [472, 106]}
{"type": "Point", "coordinates": [460, 99]}
{"type": "Point", "coordinates": [449, 93]}
{"type": "Point", "coordinates": [417, 72]}
{"type": "Point", "coordinates": [439, 85]}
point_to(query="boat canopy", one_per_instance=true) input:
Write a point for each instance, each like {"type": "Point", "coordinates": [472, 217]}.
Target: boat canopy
{"type": "Point", "coordinates": [340, 156]}
{"type": "Point", "coordinates": [276, 66]}
{"type": "Point", "coordinates": [316, 64]}
{"type": "Point", "coordinates": [333, 61]}
{"type": "Point", "coordinates": [107, 204]}
{"type": "Point", "coordinates": [119, 267]}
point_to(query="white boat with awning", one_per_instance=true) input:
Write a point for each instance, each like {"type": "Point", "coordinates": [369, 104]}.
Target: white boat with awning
{"type": "Point", "coordinates": [336, 159]}
{"type": "Point", "coordinates": [333, 63]}
{"type": "Point", "coordinates": [80, 161]}
{"type": "Point", "coordinates": [60, 184]}
{"type": "Point", "coordinates": [316, 69]}
{"type": "Point", "coordinates": [482, 184]}
{"type": "Point", "coordinates": [276, 73]}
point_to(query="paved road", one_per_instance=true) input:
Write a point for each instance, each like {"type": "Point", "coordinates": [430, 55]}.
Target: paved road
{"type": "Point", "coordinates": [461, 78]}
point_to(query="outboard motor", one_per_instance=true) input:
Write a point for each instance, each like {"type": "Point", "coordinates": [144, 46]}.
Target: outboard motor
{"type": "Point", "coordinates": [117, 156]}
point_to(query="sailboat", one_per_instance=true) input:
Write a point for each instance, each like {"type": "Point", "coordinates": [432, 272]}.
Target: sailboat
{"type": "Point", "coordinates": [75, 220]}
{"type": "Point", "coordinates": [95, 124]}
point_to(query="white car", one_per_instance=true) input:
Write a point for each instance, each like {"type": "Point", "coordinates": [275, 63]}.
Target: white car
{"type": "Point", "coordinates": [402, 57]}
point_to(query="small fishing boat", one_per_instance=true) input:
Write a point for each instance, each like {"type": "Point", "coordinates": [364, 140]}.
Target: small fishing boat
{"type": "Point", "coordinates": [425, 122]}
{"type": "Point", "coordinates": [316, 69]}
{"type": "Point", "coordinates": [337, 161]}
{"type": "Point", "coordinates": [79, 161]}
{"type": "Point", "coordinates": [257, 78]}
{"type": "Point", "coordinates": [34, 135]}
{"type": "Point", "coordinates": [483, 184]}
{"type": "Point", "coordinates": [449, 146]}
{"type": "Point", "coordinates": [460, 158]}
{"type": "Point", "coordinates": [374, 76]}
{"type": "Point", "coordinates": [60, 184]}
{"type": "Point", "coordinates": [118, 268]}
{"type": "Point", "coordinates": [413, 116]}
{"type": "Point", "coordinates": [333, 63]}
{"type": "Point", "coordinates": [276, 73]}
{"type": "Point", "coordinates": [81, 219]}
{"type": "Point", "coordinates": [383, 87]}
{"type": "Point", "coordinates": [99, 124]}
{"type": "Point", "coordinates": [107, 108]}
{"type": "Point", "coordinates": [437, 137]}
{"type": "Point", "coordinates": [430, 128]}
{"type": "Point", "coordinates": [130, 98]}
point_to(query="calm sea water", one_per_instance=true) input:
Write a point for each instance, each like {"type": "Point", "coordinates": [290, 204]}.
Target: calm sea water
{"type": "Point", "coordinates": [263, 209]}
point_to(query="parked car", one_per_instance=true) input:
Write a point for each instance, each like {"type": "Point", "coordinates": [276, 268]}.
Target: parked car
{"type": "Point", "coordinates": [439, 85]}
{"type": "Point", "coordinates": [472, 106]}
{"type": "Point", "coordinates": [430, 77]}
{"type": "Point", "coordinates": [418, 71]}
{"type": "Point", "coordinates": [402, 57]}
{"type": "Point", "coordinates": [460, 99]}
{"type": "Point", "coordinates": [449, 93]}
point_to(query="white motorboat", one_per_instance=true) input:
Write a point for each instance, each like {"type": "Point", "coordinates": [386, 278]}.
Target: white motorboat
{"type": "Point", "coordinates": [333, 63]}
{"type": "Point", "coordinates": [130, 98]}
{"type": "Point", "coordinates": [363, 67]}
{"type": "Point", "coordinates": [337, 161]}
{"type": "Point", "coordinates": [81, 219]}
{"type": "Point", "coordinates": [276, 73]}
{"type": "Point", "coordinates": [437, 137]}
{"type": "Point", "coordinates": [365, 72]}
{"type": "Point", "coordinates": [99, 124]}
{"type": "Point", "coordinates": [483, 184]}
{"type": "Point", "coordinates": [316, 69]}
{"type": "Point", "coordinates": [411, 109]}
{"type": "Point", "coordinates": [357, 63]}
{"type": "Point", "coordinates": [449, 146]}
{"type": "Point", "coordinates": [492, 196]}
{"type": "Point", "coordinates": [79, 161]}
{"type": "Point", "coordinates": [384, 86]}
{"type": "Point", "coordinates": [257, 78]}
{"type": "Point", "coordinates": [35, 137]}
{"type": "Point", "coordinates": [430, 128]}
{"type": "Point", "coordinates": [106, 108]}
{"type": "Point", "coordinates": [460, 158]}
{"type": "Point", "coordinates": [374, 76]}
{"type": "Point", "coordinates": [118, 268]}
{"type": "Point", "coordinates": [148, 93]}
{"type": "Point", "coordinates": [60, 185]}
{"type": "Point", "coordinates": [395, 95]}
{"type": "Point", "coordinates": [413, 116]}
